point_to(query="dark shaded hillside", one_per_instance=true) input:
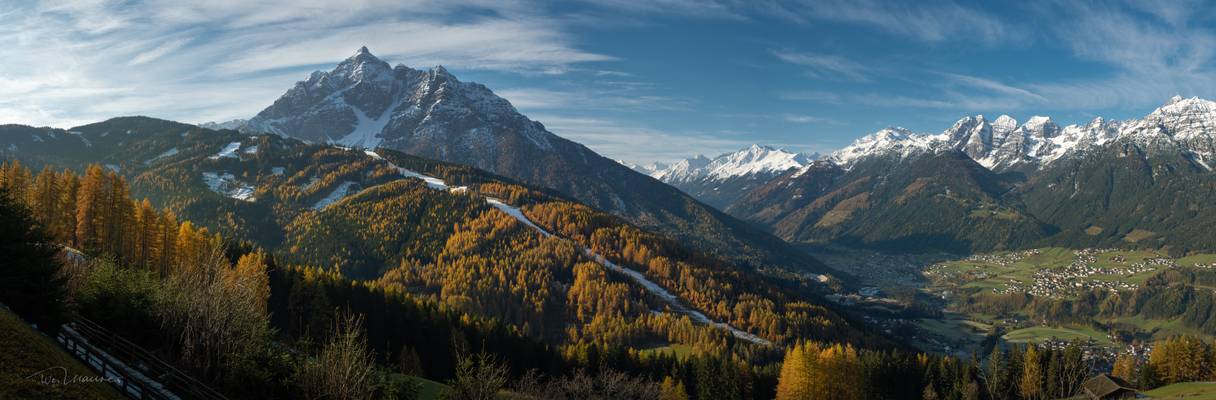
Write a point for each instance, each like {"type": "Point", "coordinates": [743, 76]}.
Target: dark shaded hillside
{"type": "Point", "coordinates": [988, 185]}
{"type": "Point", "coordinates": [932, 202]}
{"type": "Point", "coordinates": [1125, 196]}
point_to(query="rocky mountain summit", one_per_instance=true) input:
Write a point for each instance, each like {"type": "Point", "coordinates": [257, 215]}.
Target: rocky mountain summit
{"type": "Point", "coordinates": [1188, 124]}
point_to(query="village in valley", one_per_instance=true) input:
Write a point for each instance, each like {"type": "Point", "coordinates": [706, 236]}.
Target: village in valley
{"type": "Point", "coordinates": [925, 307]}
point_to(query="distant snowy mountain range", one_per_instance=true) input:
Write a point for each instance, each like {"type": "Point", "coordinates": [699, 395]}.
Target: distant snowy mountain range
{"type": "Point", "coordinates": [720, 180]}
{"type": "Point", "coordinates": [989, 184]}
{"type": "Point", "coordinates": [1000, 144]}
{"type": "Point", "coordinates": [756, 159]}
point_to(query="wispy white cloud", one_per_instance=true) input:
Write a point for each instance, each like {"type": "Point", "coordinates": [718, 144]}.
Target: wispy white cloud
{"type": "Point", "coordinates": [492, 44]}
{"type": "Point", "coordinates": [926, 21]}
{"type": "Point", "coordinates": [799, 119]}
{"type": "Point", "coordinates": [638, 144]}
{"type": "Point", "coordinates": [616, 98]}
{"type": "Point", "coordinates": [1143, 52]}
{"type": "Point", "coordinates": [994, 86]}
{"type": "Point", "coordinates": [157, 52]}
{"type": "Point", "coordinates": [1148, 59]}
{"type": "Point", "coordinates": [66, 62]}
{"type": "Point", "coordinates": [825, 65]}
{"type": "Point", "coordinates": [929, 21]}
{"type": "Point", "coordinates": [687, 8]}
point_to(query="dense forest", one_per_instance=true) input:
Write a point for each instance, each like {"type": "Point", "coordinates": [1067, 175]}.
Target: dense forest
{"type": "Point", "coordinates": [437, 244]}
{"type": "Point", "coordinates": [256, 329]}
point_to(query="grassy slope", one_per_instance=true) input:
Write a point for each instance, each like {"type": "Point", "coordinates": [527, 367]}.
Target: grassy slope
{"type": "Point", "coordinates": [1041, 333]}
{"type": "Point", "coordinates": [25, 352]}
{"type": "Point", "coordinates": [966, 272]}
{"type": "Point", "coordinates": [1023, 270]}
{"type": "Point", "coordinates": [428, 389]}
{"type": "Point", "coordinates": [1187, 390]}
{"type": "Point", "coordinates": [681, 351]}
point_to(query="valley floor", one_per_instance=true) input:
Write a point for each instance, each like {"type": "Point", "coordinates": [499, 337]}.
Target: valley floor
{"type": "Point", "coordinates": [920, 296]}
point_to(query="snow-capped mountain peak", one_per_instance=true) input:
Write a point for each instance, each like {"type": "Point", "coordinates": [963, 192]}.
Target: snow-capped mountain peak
{"type": "Point", "coordinates": [754, 159]}
{"type": "Point", "coordinates": [363, 102]}
{"type": "Point", "coordinates": [997, 144]}
{"type": "Point", "coordinates": [1181, 124]}
{"type": "Point", "coordinates": [889, 141]}
{"type": "Point", "coordinates": [1004, 123]}
{"type": "Point", "coordinates": [363, 66]}
{"type": "Point", "coordinates": [1189, 123]}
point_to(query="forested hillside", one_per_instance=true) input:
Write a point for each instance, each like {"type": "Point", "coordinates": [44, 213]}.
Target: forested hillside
{"type": "Point", "coordinates": [356, 213]}
{"type": "Point", "coordinates": [402, 242]}
{"type": "Point", "coordinates": [254, 328]}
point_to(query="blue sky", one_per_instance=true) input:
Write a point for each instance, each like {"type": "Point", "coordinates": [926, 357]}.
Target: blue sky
{"type": "Point", "coordinates": [640, 81]}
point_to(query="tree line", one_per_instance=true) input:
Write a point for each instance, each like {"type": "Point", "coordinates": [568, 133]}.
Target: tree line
{"type": "Point", "coordinates": [813, 370]}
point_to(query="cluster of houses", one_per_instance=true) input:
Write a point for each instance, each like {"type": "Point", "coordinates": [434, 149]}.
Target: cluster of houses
{"type": "Point", "coordinates": [1003, 260]}
{"type": "Point", "coordinates": [1078, 276]}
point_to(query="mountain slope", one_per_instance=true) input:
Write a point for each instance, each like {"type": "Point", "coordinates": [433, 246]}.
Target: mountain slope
{"type": "Point", "coordinates": [1148, 187]}
{"type": "Point", "coordinates": [466, 238]}
{"type": "Point", "coordinates": [364, 102]}
{"type": "Point", "coordinates": [983, 185]}
{"type": "Point", "coordinates": [941, 201]}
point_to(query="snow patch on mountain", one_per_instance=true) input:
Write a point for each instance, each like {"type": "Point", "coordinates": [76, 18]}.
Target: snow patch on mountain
{"type": "Point", "coordinates": [338, 193]}
{"type": "Point", "coordinates": [227, 185]}
{"type": "Point", "coordinates": [638, 277]}
{"type": "Point", "coordinates": [431, 182]}
{"type": "Point", "coordinates": [168, 153]}
{"type": "Point", "coordinates": [229, 151]}
{"type": "Point", "coordinates": [366, 134]}
{"type": "Point", "coordinates": [517, 214]}
{"type": "Point", "coordinates": [83, 139]}
{"type": "Point", "coordinates": [671, 299]}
